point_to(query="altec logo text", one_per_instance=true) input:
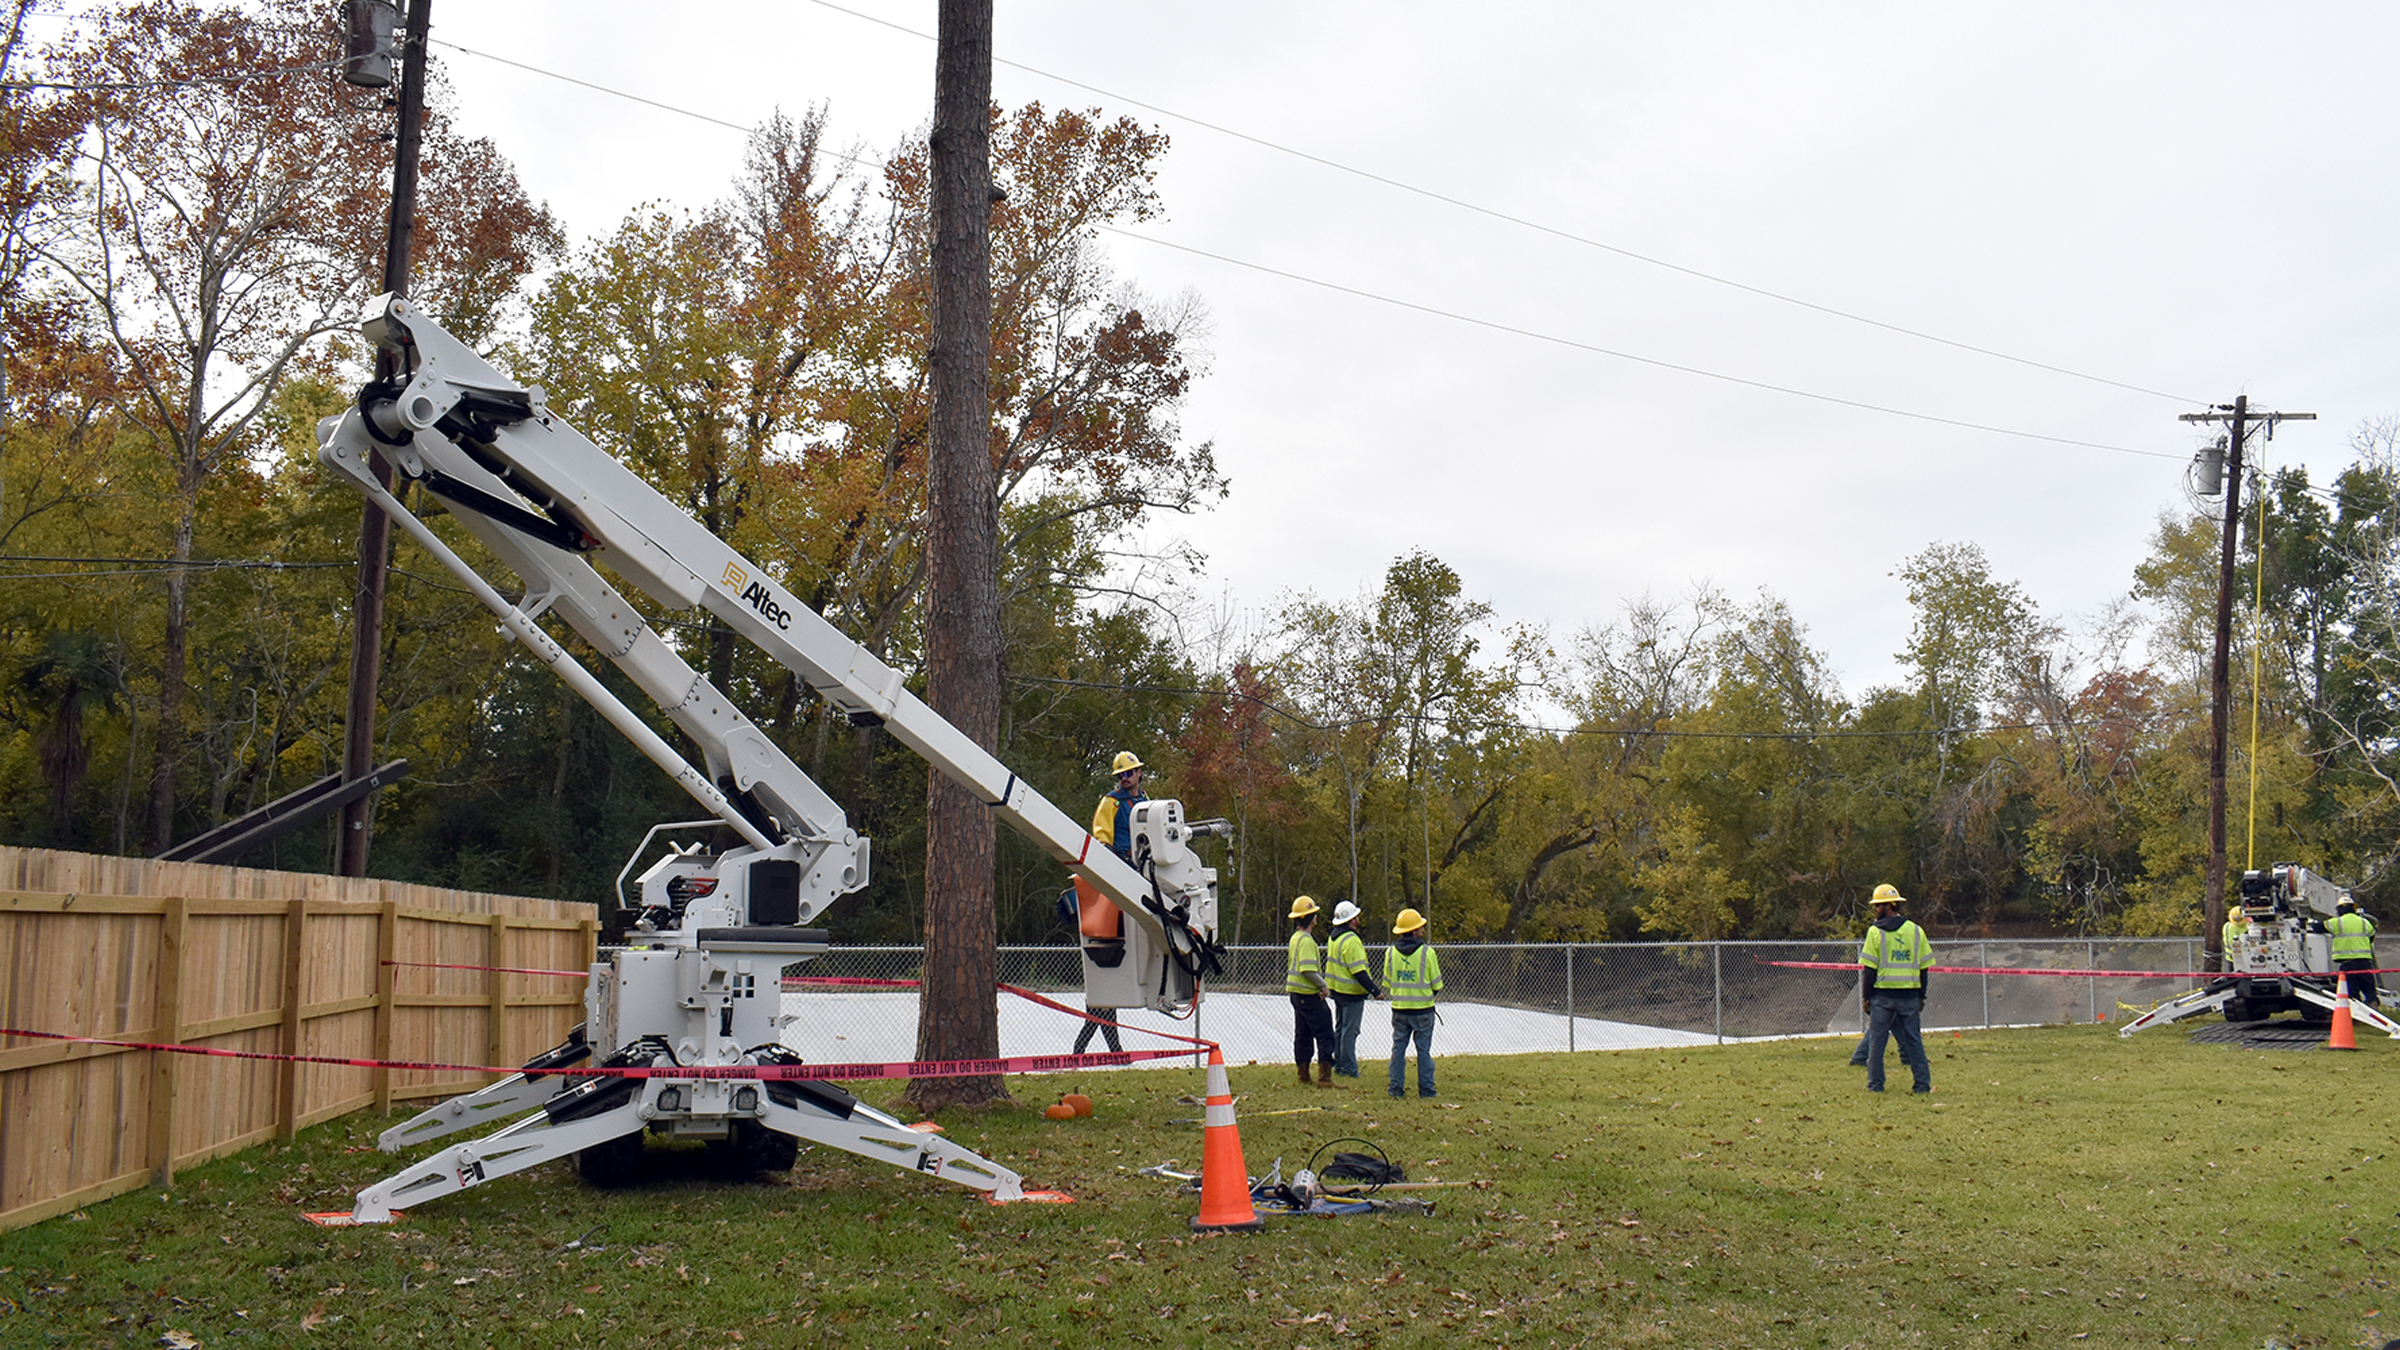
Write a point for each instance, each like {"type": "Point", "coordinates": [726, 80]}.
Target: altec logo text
{"type": "Point", "coordinates": [755, 595]}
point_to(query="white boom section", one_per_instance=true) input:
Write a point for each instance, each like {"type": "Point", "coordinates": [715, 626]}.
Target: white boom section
{"type": "Point", "coordinates": [491, 448]}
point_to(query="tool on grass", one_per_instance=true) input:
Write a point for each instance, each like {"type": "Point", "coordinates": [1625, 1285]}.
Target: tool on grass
{"type": "Point", "coordinates": [1289, 1111]}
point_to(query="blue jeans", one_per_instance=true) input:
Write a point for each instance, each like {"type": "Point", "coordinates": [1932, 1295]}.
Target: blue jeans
{"type": "Point", "coordinates": [1408, 1024]}
{"type": "Point", "coordinates": [1901, 1017]}
{"type": "Point", "coordinates": [1348, 1011]}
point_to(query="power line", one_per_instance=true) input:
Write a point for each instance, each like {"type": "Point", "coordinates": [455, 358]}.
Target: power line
{"type": "Point", "coordinates": [597, 88]}
{"type": "Point", "coordinates": [1554, 339]}
{"type": "Point", "coordinates": [1535, 225]}
{"type": "Point", "coordinates": [245, 77]}
{"type": "Point", "coordinates": [856, 160]}
{"type": "Point", "coordinates": [126, 567]}
{"type": "Point", "coordinates": [1452, 315]}
{"type": "Point", "coordinates": [1504, 725]}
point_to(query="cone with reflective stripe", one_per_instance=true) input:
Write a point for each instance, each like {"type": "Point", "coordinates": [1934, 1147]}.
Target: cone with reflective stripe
{"type": "Point", "coordinates": [1224, 1177]}
{"type": "Point", "coordinates": [2343, 1037]}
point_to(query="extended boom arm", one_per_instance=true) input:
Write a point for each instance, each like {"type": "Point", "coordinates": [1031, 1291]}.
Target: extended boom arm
{"type": "Point", "coordinates": [544, 499]}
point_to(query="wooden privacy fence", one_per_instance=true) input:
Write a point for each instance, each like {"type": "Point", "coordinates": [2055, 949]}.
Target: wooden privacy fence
{"type": "Point", "coordinates": [235, 959]}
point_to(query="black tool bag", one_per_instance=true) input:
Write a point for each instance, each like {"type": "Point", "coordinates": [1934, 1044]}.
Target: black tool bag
{"type": "Point", "coordinates": [1358, 1167]}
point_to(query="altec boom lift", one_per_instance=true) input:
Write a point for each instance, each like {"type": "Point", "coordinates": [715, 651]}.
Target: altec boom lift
{"type": "Point", "coordinates": [700, 986]}
{"type": "Point", "coordinates": [2283, 961]}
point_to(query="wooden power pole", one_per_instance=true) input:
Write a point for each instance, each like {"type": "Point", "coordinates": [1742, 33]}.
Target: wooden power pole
{"type": "Point", "coordinates": [374, 527]}
{"type": "Point", "coordinates": [2238, 416]}
{"type": "Point", "coordinates": [959, 1015]}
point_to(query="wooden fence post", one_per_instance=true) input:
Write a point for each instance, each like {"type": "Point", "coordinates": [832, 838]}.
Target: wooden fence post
{"type": "Point", "coordinates": [498, 1050]}
{"type": "Point", "coordinates": [295, 948]}
{"type": "Point", "coordinates": [169, 1031]}
{"type": "Point", "coordinates": [387, 989]}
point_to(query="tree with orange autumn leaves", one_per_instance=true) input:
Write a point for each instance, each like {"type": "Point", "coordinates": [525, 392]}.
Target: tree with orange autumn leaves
{"type": "Point", "coordinates": [763, 361]}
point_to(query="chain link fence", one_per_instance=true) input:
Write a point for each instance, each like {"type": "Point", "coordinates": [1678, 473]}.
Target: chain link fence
{"type": "Point", "coordinates": [1516, 998]}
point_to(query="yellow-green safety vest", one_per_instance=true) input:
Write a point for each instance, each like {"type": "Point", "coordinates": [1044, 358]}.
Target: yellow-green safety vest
{"type": "Point", "coordinates": [1345, 961]}
{"type": "Point", "coordinates": [1897, 956]}
{"type": "Point", "coordinates": [1412, 980]}
{"type": "Point", "coordinates": [1303, 964]}
{"type": "Point", "coordinates": [2353, 936]}
{"type": "Point", "coordinates": [2234, 928]}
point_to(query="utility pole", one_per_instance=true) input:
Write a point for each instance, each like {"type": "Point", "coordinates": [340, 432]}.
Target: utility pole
{"type": "Point", "coordinates": [2238, 416]}
{"type": "Point", "coordinates": [374, 527]}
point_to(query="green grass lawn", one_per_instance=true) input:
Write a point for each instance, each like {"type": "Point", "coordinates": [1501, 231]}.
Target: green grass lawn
{"type": "Point", "coordinates": [2060, 1187]}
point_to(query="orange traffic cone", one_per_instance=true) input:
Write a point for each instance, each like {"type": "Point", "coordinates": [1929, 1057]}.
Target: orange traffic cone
{"type": "Point", "coordinates": [2342, 1038]}
{"type": "Point", "coordinates": [1224, 1178]}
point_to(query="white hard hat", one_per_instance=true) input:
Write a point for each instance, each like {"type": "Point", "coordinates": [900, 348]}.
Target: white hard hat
{"type": "Point", "coordinates": [1344, 912]}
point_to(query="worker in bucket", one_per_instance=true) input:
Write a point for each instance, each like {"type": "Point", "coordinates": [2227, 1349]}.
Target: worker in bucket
{"type": "Point", "coordinates": [1346, 974]}
{"type": "Point", "coordinates": [1112, 821]}
{"type": "Point", "coordinates": [1112, 824]}
{"type": "Point", "coordinates": [2353, 936]}
{"type": "Point", "coordinates": [1304, 980]}
{"type": "Point", "coordinates": [1895, 967]}
{"type": "Point", "coordinates": [1412, 976]}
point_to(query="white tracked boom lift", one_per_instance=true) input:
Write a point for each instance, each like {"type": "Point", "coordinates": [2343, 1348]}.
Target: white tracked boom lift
{"type": "Point", "coordinates": [2283, 961]}
{"type": "Point", "coordinates": [700, 989]}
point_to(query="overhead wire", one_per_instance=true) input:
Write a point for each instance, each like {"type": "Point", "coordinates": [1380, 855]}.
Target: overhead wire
{"type": "Point", "coordinates": [1535, 225]}
{"type": "Point", "coordinates": [142, 566]}
{"type": "Point", "coordinates": [1506, 724]}
{"type": "Point", "coordinates": [240, 77]}
{"type": "Point", "coordinates": [1652, 361]}
{"type": "Point", "coordinates": [121, 567]}
{"type": "Point", "coordinates": [1432, 310]}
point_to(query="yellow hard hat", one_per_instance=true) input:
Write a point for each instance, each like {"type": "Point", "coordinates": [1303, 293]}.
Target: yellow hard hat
{"type": "Point", "coordinates": [1126, 762]}
{"type": "Point", "coordinates": [1302, 908]}
{"type": "Point", "coordinates": [1885, 894]}
{"type": "Point", "coordinates": [1408, 922]}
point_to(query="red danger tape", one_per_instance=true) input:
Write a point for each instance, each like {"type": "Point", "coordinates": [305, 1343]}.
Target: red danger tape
{"type": "Point", "coordinates": [922, 1068]}
{"type": "Point", "coordinates": [2097, 974]}
{"type": "Point", "coordinates": [1031, 997]}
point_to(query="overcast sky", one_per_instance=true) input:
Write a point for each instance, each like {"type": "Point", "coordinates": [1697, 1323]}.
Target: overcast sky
{"type": "Point", "coordinates": [2191, 199]}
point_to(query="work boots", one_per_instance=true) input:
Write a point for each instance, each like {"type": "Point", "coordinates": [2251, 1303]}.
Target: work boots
{"type": "Point", "coordinates": [1303, 1074]}
{"type": "Point", "coordinates": [1324, 1074]}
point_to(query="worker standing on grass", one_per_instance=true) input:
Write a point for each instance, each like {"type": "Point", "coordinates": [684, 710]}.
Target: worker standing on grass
{"type": "Point", "coordinates": [1112, 822]}
{"type": "Point", "coordinates": [2237, 925]}
{"type": "Point", "coordinates": [1346, 974]}
{"type": "Point", "coordinates": [1304, 980]}
{"type": "Point", "coordinates": [2354, 948]}
{"type": "Point", "coordinates": [1895, 971]}
{"type": "Point", "coordinates": [1412, 976]}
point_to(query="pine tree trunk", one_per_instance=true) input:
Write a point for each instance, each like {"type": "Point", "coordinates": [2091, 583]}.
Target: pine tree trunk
{"type": "Point", "coordinates": [959, 1015]}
